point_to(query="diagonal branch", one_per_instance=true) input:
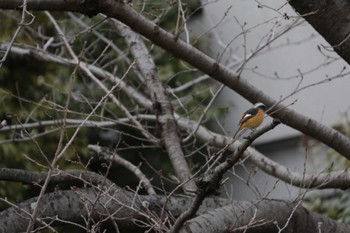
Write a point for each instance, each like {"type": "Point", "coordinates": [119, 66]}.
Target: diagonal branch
{"type": "Point", "coordinates": [204, 63]}
{"type": "Point", "coordinates": [114, 157]}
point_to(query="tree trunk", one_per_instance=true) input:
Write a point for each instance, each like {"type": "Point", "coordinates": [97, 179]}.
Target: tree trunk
{"type": "Point", "coordinates": [329, 18]}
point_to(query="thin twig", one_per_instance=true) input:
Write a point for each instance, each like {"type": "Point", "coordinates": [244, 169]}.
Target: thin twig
{"type": "Point", "coordinates": [18, 30]}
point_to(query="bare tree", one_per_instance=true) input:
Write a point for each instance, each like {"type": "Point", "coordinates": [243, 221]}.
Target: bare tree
{"type": "Point", "coordinates": [108, 78]}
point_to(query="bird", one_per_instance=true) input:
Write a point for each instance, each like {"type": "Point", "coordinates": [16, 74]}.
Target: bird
{"type": "Point", "coordinates": [252, 118]}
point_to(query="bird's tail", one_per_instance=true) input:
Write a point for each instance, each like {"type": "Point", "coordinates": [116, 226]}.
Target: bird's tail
{"type": "Point", "coordinates": [238, 133]}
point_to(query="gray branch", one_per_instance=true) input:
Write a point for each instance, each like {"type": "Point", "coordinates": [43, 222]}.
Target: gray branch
{"type": "Point", "coordinates": [162, 106]}
{"type": "Point", "coordinates": [215, 214]}
{"type": "Point", "coordinates": [263, 216]}
{"type": "Point", "coordinates": [38, 178]}
{"type": "Point", "coordinates": [337, 179]}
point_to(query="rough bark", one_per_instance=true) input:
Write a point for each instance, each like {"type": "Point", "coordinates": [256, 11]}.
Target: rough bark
{"type": "Point", "coordinates": [70, 206]}
{"type": "Point", "coordinates": [79, 204]}
{"type": "Point", "coordinates": [263, 216]}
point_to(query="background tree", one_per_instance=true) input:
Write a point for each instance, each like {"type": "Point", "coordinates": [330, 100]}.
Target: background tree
{"type": "Point", "coordinates": [103, 130]}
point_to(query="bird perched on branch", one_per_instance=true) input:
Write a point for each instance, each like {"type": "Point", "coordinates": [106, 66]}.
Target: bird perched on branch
{"type": "Point", "coordinates": [252, 118]}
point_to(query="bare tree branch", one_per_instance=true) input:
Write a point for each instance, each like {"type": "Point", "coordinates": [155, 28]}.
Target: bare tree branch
{"type": "Point", "coordinates": [43, 55]}
{"type": "Point", "coordinates": [210, 182]}
{"type": "Point", "coordinates": [73, 205]}
{"type": "Point", "coordinates": [68, 205]}
{"type": "Point", "coordinates": [113, 156]}
{"type": "Point", "coordinates": [161, 104]}
{"type": "Point", "coordinates": [337, 179]}
{"type": "Point", "coordinates": [252, 217]}
{"type": "Point", "coordinates": [19, 28]}
{"type": "Point", "coordinates": [38, 178]}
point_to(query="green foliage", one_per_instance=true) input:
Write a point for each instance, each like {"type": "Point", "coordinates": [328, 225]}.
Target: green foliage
{"type": "Point", "coordinates": [334, 204]}
{"type": "Point", "coordinates": [33, 90]}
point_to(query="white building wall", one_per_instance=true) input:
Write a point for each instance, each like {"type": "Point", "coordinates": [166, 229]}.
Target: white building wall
{"type": "Point", "coordinates": [297, 51]}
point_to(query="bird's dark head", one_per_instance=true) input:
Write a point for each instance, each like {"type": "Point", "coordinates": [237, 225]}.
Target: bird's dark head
{"type": "Point", "coordinates": [261, 106]}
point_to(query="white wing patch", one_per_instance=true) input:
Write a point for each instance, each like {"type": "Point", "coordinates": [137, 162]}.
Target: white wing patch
{"type": "Point", "coordinates": [246, 116]}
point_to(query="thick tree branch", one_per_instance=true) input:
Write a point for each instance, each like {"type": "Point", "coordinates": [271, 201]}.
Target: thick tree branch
{"type": "Point", "coordinates": [74, 205]}
{"type": "Point", "coordinates": [78, 204]}
{"type": "Point", "coordinates": [69, 206]}
{"type": "Point", "coordinates": [90, 8]}
{"type": "Point", "coordinates": [331, 19]}
{"type": "Point", "coordinates": [161, 104]}
{"type": "Point", "coordinates": [263, 216]}
{"type": "Point", "coordinates": [38, 178]}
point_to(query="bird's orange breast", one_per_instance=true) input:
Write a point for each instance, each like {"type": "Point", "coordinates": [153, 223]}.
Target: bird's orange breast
{"type": "Point", "coordinates": [254, 121]}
